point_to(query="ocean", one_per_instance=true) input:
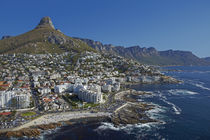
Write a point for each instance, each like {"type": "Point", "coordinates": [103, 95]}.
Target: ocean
{"type": "Point", "coordinates": [183, 109]}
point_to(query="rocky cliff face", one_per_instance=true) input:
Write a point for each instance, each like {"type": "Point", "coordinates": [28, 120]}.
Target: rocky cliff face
{"type": "Point", "coordinates": [149, 55]}
{"type": "Point", "coordinates": [130, 52]}
{"type": "Point", "coordinates": [5, 37]}
{"type": "Point", "coordinates": [45, 22]}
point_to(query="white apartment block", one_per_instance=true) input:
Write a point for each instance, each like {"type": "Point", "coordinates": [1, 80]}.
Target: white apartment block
{"type": "Point", "coordinates": [44, 90]}
{"type": "Point", "coordinates": [89, 96]}
{"type": "Point", "coordinates": [14, 98]}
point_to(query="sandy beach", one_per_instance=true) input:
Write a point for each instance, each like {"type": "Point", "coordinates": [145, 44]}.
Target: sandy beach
{"type": "Point", "coordinates": [58, 117]}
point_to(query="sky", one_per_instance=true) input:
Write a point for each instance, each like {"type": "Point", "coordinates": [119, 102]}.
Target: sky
{"type": "Point", "coordinates": [163, 24]}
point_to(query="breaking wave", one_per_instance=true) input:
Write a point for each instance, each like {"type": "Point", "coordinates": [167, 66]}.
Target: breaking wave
{"type": "Point", "coordinates": [129, 129]}
{"type": "Point", "coordinates": [181, 92]}
{"type": "Point", "coordinates": [176, 109]}
{"type": "Point", "coordinates": [198, 84]}
{"type": "Point", "coordinates": [156, 113]}
{"type": "Point", "coordinates": [201, 86]}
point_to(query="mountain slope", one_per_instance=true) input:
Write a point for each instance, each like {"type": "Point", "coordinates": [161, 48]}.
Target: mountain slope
{"type": "Point", "coordinates": [149, 55]}
{"type": "Point", "coordinates": [43, 39]}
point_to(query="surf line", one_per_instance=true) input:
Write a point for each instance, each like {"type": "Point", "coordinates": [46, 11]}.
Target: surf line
{"type": "Point", "coordinates": [176, 109]}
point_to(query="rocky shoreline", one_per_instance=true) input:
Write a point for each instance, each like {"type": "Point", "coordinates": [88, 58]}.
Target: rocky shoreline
{"type": "Point", "coordinates": [30, 132]}
{"type": "Point", "coordinates": [132, 112]}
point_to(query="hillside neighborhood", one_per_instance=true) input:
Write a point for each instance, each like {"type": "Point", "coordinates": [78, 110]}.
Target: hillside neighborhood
{"type": "Point", "coordinates": [68, 81]}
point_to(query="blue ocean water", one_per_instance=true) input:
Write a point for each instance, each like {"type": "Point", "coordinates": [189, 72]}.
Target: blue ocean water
{"type": "Point", "coordinates": [184, 111]}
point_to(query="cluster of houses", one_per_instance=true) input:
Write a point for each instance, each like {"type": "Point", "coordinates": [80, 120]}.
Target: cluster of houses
{"type": "Point", "coordinates": [53, 103]}
{"type": "Point", "coordinates": [47, 76]}
{"type": "Point", "coordinates": [15, 89]}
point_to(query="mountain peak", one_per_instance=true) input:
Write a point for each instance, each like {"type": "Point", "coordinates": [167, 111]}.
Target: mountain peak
{"type": "Point", "coordinates": [45, 22]}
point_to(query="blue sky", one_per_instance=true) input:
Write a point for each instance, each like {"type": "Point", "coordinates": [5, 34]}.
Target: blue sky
{"type": "Point", "coordinates": [163, 24]}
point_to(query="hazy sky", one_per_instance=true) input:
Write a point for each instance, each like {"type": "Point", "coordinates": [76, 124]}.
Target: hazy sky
{"type": "Point", "coordinates": [163, 24]}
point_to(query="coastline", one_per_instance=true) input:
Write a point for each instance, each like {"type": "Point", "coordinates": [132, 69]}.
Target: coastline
{"type": "Point", "coordinates": [53, 120]}
{"type": "Point", "coordinates": [131, 111]}
{"type": "Point", "coordinates": [50, 121]}
{"type": "Point", "coordinates": [59, 117]}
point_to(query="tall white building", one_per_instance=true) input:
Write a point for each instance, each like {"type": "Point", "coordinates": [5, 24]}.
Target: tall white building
{"type": "Point", "coordinates": [14, 98]}
{"type": "Point", "coordinates": [85, 93]}
{"type": "Point", "coordinates": [5, 98]}
{"type": "Point", "coordinates": [89, 96]}
{"type": "Point", "coordinates": [22, 100]}
{"type": "Point", "coordinates": [67, 87]}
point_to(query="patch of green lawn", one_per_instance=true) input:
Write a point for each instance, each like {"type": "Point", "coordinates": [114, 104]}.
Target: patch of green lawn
{"type": "Point", "coordinates": [26, 114]}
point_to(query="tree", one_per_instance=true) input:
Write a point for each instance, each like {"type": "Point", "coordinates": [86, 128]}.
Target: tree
{"type": "Point", "coordinates": [13, 103]}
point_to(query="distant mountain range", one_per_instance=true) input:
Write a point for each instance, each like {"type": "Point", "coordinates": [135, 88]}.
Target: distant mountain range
{"type": "Point", "coordinates": [44, 38]}
{"type": "Point", "coordinates": [207, 59]}
{"type": "Point", "coordinates": [149, 55]}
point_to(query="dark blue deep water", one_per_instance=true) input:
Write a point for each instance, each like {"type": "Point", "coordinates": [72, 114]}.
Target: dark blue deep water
{"type": "Point", "coordinates": [184, 110]}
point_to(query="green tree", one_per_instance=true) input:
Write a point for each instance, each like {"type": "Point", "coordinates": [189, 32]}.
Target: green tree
{"type": "Point", "coordinates": [13, 103]}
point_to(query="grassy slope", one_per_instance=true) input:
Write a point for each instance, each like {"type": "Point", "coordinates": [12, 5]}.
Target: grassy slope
{"type": "Point", "coordinates": [35, 41]}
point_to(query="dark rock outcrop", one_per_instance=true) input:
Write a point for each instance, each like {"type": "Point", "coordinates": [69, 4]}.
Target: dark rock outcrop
{"type": "Point", "coordinates": [132, 114]}
{"type": "Point", "coordinates": [55, 39]}
{"type": "Point", "coordinates": [33, 131]}
{"type": "Point", "coordinates": [5, 37]}
{"type": "Point", "coordinates": [48, 126]}
{"type": "Point", "coordinates": [21, 133]}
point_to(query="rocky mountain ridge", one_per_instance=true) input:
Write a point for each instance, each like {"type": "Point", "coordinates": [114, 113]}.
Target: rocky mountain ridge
{"type": "Point", "coordinates": [206, 59]}
{"type": "Point", "coordinates": [149, 55]}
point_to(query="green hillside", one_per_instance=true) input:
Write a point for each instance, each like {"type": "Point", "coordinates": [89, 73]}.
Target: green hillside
{"type": "Point", "coordinates": [44, 39]}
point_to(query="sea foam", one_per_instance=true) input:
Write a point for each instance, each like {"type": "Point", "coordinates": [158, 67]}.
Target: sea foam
{"type": "Point", "coordinates": [201, 86]}
{"type": "Point", "coordinates": [181, 92]}
{"type": "Point", "coordinates": [176, 109]}
{"type": "Point", "coordinates": [130, 128]}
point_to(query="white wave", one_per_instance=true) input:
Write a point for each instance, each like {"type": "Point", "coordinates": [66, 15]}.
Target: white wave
{"type": "Point", "coordinates": [129, 129]}
{"type": "Point", "coordinates": [201, 86]}
{"type": "Point", "coordinates": [150, 95]}
{"type": "Point", "coordinates": [176, 109]}
{"type": "Point", "coordinates": [106, 125]}
{"type": "Point", "coordinates": [156, 113]}
{"type": "Point", "coordinates": [140, 100]}
{"type": "Point", "coordinates": [198, 84]}
{"type": "Point", "coordinates": [201, 72]}
{"type": "Point", "coordinates": [181, 92]}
